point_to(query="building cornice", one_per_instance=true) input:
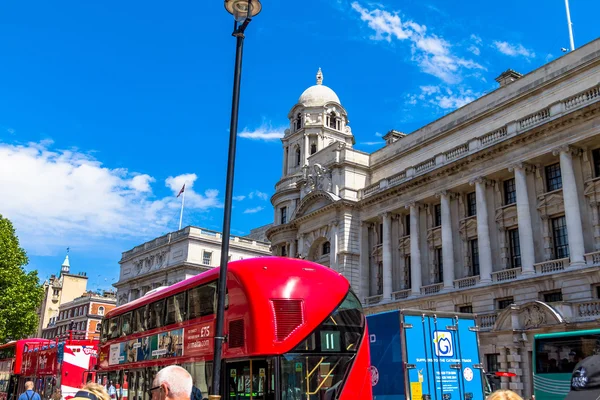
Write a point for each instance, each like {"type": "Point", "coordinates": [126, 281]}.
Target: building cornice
{"type": "Point", "coordinates": [162, 272]}
{"type": "Point", "coordinates": [498, 142]}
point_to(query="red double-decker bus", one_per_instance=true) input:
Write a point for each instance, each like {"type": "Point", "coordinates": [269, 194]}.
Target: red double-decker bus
{"type": "Point", "coordinates": [63, 363]}
{"type": "Point", "coordinates": [294, 331]}
{"type": "Point", "coordinates": [11, 366]}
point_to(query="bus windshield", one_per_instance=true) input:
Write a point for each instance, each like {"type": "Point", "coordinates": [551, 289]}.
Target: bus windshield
{"type": "Point", "coordinates": [317, 367]}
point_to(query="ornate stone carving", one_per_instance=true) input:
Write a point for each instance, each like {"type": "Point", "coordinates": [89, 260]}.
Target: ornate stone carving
{"type": "Point", "coordinates": [532, 317]}
{"type": "Point", "coordinates": [575, 151]}
{"type": "Point", "coordinates": [317, 178]}
{"type": "Point", "coordinates": [522, 165]}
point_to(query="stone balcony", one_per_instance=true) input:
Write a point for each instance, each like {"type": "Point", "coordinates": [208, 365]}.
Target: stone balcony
{"type": "Point", "coordinates": [432, 289]}
{"type": "Point", "coordinates": [469, 281]}
{"type": "Point", "coordinates": [551, 266]}
{"type": "Point", "coordinates": [506, 275]}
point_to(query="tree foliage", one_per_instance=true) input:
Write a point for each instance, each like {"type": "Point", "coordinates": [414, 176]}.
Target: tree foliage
{"type": "Point", "coordinates": [20, 291]}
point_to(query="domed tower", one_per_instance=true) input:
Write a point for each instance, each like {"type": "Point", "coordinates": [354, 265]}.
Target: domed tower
{"type": "Point", "coordinates": [318, 130]}
{"type": "Point", "coordinates": [316, 121]}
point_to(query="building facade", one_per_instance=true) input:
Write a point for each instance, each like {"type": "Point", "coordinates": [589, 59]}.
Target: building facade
{"type": "Point", "coordinates": [177, 256]}
{"type": "Point", "coordinates": [492, 209]}
{"type": "Point", "coordinates": [59, 290]}
{"type": "Point", "coordinates": [82, 316]}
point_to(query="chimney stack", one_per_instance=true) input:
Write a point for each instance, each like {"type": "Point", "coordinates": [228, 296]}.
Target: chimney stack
{"type": "Point", "coordinates": [507, 77]}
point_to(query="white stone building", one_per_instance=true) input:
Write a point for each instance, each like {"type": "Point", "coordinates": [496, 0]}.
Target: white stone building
{"type": "Point", "coordinates": [177, 256]}
{"type": "Point", "coordinates": [492, 209]}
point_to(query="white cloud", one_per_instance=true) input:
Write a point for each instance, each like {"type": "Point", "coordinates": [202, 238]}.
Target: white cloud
{"type": "Point", "coordinates": [378, 134]}
{"type": "Point", "coordinates": [239, 198]}
{"type": "Point", "coordinates": [141, 183]}
{"type": "Point", "coordinates": [371, 143]}
{"type": "Point", "coordinates": [549, 57]}
{"type": "Point", "coordinates": [476, 39]}
{"type": "Point", "coordinates": [474, 49]}
{"type": "Point", "coordinates": [265, 133]}
{"type": "Point", "coordinates": [259, 194]}
{"type": "Point", "coordinates": [55, 197]}
{"type": "Point", "coordinates": [432, 53]}
{"type": "Point", "coordinates": [513, 50]}
{"type": "Point", "coordinates": [253, 210]}
{"type": "Point", "coordinates": [442, 97]}
{"type": "Point", "coordinates": [11, 131]}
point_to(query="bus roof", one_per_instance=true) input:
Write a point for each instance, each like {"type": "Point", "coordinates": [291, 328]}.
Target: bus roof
{"type": "Point", "coordinates": [242, 269]}
{"type": "Point", "coordinates": [566, 334]}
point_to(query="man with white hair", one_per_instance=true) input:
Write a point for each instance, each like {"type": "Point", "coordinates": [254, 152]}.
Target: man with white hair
{"type": "Point", "coordinates": [172, 383]}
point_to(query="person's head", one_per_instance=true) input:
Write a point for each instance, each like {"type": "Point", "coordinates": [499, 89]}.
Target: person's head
{"type": "Point", "coordinates": [585, 380]}
{"type": "Point", "coordinates": [92, 391]}
{"type": "Point", "coordinates": [29, 385]}
{"type": "Point", "coordinates": [173, 383]}
{"type": "Point", "coordinates": [504, 395]}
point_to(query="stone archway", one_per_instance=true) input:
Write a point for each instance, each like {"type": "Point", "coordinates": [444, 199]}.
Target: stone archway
{"type": "Point", "coordinates": [533, 315]}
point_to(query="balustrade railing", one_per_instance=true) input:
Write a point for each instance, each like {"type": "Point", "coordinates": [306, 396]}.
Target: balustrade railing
{"type": "Point", "coordinates": [466, 282]}
{"type": "Point", "coordinates": [582, 98]}
{"type": "Point", "coordinates": [431, 289]}
{"type": "Point", "coordinates": [401, 294]}
{"type": "Point", "coordinates": [506, 274]}
{"type": "Point", "coordinates": [547, 267]}
{"type": "Point", "coordinates": [534, 118]}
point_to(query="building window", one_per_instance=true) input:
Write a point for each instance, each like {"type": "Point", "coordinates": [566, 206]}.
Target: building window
{"type": "Point", "coordinates": [380, 237]}
{"type": "Point", "coordinates": [313, 148]}
{"type": "Point", "coordinates": [407, 225]}
{"type": "Point", "coordinates": [55, 292]}
{"type": "Point", "coordinates": [471, 204]}
{"type": "Point", "coordinates": [437, 215]}
{"type": "Point", "coordinates": [514, 248]}
{"type": "Point", "coordinates": [439, 259]}
{"type": "Point", "coordinates": [553, 177]}
{"type": "Point", "coordinates": [283, 212]}
{"type": "Point", "coordinates": [598, 292]}
{"type": "Point", "coordinates": [466, 309]}
{"type": "Point", "coordinates": [299, 121]}
{"type": "Point", "coordinates": [326, 248]}
{"type": "Point", "coordinates": [474, 247]}
{"type": "Point", "coordinates": [284, 250]}
{"type": "Point", "coordinates": [408, 272]}
{"type": "Point", "coordinates": [207, 257]}
{"type": "Point", "coordinates": [380, 278]}
{"type": "Point", "coordinates": [510, 192]}
{"type": "Point", "coordinates": [298, 158]}
{"type": "Point", "coordinates": [85, 310]}
{"type": "Point", "coordinates": [504, 303]}
{"type": "Point", "coordinates": [332, 118]}
{"type": "Point", "coordinates": [492, 363]}
{"type": "Point", "coordinates": [596, 161]}
{"type": "Point", "coordinates": [551, 297]}
{"type": "Point", "coordinates": [100, 310]}
{"type": "Point", "coordinates": [561, 239]}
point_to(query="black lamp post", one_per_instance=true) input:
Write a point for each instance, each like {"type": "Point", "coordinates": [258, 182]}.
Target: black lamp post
{"type": "Point", "coordinates": [242, 11]}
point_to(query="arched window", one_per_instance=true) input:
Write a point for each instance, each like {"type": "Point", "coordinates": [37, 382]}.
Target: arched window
{"type": "Point", "coordinates": [299, 121]}
{"type": "Point", "coordinates": [70, 313]}
{"type": "Point", "coordinates": [298, 158]}
{"type": "Point", "coordinates": [326, 248]}
{"type": "Point", "coordinates": [313, 148]}
{"type": "Point", "coordinates": [332, 120]}
{"type": "Point", "coordinates": [100, 310]}
{"type": "Point", "coordinates": [85, 310]}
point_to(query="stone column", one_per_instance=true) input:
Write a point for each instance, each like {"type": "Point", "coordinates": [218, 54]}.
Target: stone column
{"type": "Point", "coordinates": [447, 241]}
{"type": "Point", "coordinates": [415, 250]}
{"type": "Point", "coordinates": [524, 218]}
{"type": "Point", "coordinates": [333, 246]}
{"type": "Point", "coordinates": [571, 201]}
{"type": "Point", "coordinates": [374, 265]}
{"type": "Point", "coordinates": [364, 260]}
{"type": "Point", "coordinates": [301, 246]}
{"type": "Point", "coordinates": [386, 250]}
{"type": "Point", "coordinates": [483, 232]}
{"type": "Point", "coordinates": [306, 148]}
{"type": "Point", "coordinates": [292, 248]}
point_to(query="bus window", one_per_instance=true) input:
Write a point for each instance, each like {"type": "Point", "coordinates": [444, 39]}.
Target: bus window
{"type": "Point", "coordinates": [140, 319]}
{"type": "Point", "coordinates": [175, 309]}
{"type": "Point", "coordinates": [201, 300]}
{"type": "Point", "coordinates": [201, 372]}
{"type": "Point", "coordinates": [126, 324]}
{"type": "Point", "coordinates": [114, 327]}
{"type": "Point", "coordinates": [156, 314]}
{"type": "Point", "coordinates": [560, 354]}
{"type": "Point", "coordinates": [104, 329]}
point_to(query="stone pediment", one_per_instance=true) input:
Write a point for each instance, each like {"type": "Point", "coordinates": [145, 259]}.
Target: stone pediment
{"type": "Point", "coordinates": [468, 228]}
{"type": "Point", "coordinates": [314, 201]}
{"type": "Point", "coordinates": [532, 315]}
{"type": "Point", "coordinates": [551, 204]}
{"type": "Point", "coordinates": [507, 216]}
{"type": "Point", "coordinates": [592, 190]}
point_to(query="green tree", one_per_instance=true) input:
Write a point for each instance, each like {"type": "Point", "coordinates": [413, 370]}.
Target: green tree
{"type": "Point", "coordinates": [20, 291]}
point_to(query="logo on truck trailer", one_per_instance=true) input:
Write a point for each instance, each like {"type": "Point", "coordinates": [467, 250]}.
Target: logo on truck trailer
{"type": "Point", "coordinates": [442, 342]}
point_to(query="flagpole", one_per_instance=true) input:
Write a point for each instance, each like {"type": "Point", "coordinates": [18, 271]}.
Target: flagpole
{"type": "Point", "coordinates": [181, 213]}
{"type": "Point", "coordinates": [570, 25]}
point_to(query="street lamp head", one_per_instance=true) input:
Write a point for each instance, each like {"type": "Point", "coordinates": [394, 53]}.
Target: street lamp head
{"type": "Point", "coordinates": [243, 9]}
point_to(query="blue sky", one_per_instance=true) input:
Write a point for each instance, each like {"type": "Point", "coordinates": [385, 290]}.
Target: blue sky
{"type": "Point", "coordinates": [106, 108]}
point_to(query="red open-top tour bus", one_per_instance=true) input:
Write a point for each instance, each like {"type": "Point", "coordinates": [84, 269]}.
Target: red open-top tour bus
{"type": "Point", "coordinates": [294, 330]}
{"type": "Point", "coordinates": [11, 366]}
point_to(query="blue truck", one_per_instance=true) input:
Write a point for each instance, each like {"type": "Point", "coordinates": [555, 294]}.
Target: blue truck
{"type": "Point", "coordinates": [425, 355]}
